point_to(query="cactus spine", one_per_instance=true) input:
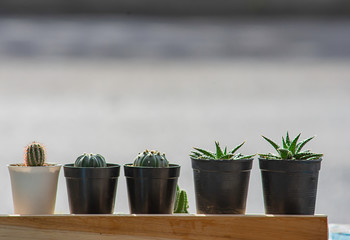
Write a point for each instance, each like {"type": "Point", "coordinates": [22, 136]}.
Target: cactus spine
{"type": "Point", "coordinates": [181, 202]}
{"type": "Point", "coordinates": [151, 159]}
{"type": "Point", "coordinates": [90, 160]}
{"type": "Point", "coordinates": [34, 155]}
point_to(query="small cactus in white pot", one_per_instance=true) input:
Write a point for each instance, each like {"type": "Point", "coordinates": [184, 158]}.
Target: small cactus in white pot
{"type": "Point", "coordinates": [34, 182]}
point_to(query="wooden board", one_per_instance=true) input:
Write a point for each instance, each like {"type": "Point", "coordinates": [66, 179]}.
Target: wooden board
{"type": "Point", "coordinates": [103, 227]}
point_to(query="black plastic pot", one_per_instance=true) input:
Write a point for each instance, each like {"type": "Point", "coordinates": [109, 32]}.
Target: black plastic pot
{"type": "Point", "coordinates": [221, 186]}
{"type": "Point", "coordinates": [289, 186]}
{"type": "Point", "coordinates": [91, 190]}
{"type": "Point", "coordinates": [151, 190]}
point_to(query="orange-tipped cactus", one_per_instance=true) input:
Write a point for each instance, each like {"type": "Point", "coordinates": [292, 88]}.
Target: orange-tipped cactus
{"type": "Point", "coordinates": [35, 155]}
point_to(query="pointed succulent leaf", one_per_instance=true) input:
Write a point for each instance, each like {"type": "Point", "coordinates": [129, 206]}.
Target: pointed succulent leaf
{"type": "Point", "coordinates": [227, 156]}
{"type": "Point", "coordinates": [287, 139]}
{"type": "Point", "coordinates": [306, 155]}
{"type": "Point", "coordinates": [245, 157]}
{"type": "Point", "coordinates": [195, 153]}
{"type": "Point", "coordinates": [275, 145]}
{"type": "Point", "coordinates": [206, 153]}
{"type": "Point", "coordinates": [284, 143]}
{"type": "Point", "coordinates": [318, 155]}
{"type": "Point", "coordinates": [269, 156]}
{"type": "Point", "coordinates": [219, 152]}
{"type": "Point", "coordinates": [205, 157]}
{"type": "Point", "coordinates": [236, 148]}
{"type": "Point", "coordinates": [238, 156]}
{"type": "Point", "coordinates": [293, 144]}
{"type": "Point", "coordinates": [302, 144]}
{"type": "Point", "coordinates": [285, 153]}
{"type": "Point", "coordinates": [303, 154]}
{"type": "Point", "coordinates": [314, 158]}
{"type": "Point", "coordinates": [225, 152]}
{"type": "Point", "coordinates": [310, 156]}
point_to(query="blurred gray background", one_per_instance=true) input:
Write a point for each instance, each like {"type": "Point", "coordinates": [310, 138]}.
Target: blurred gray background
{"type": "Point", "coordinates": [116, 78]}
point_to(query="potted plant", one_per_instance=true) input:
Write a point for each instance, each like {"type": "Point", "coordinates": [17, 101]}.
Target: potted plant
{"type": "Point", "coordinates": [151, 183]}
{"type": "Point", "coordinates": [221, 180]}
{"type": "Point", "coordinates": [34, 182]}
{"type": "Point", "coordinates": [289, 179]}
{"type": "Point", "coordinates": [91, 184]}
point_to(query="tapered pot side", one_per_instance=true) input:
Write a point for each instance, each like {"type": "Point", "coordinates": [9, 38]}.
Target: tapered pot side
{"type": "Point", "coordinates": [151, 190]}
{"type": "Point", "coordinates": [221, 186]}
{"type": "Point", "coordinates": [34, 189]}
{"type": "Point", "coordinates": [289, 186]}
{"type": "Point", "coordinates": [91, 190]}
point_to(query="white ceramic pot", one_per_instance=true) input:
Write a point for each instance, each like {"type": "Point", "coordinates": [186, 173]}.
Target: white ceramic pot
{"type": "Point", "coordinates": [34, 188]}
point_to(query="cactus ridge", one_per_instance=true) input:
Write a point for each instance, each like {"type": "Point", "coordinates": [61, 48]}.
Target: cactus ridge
{"type": "Point", "coordinates": [34, 155]}
{"type": "Point", "coordinates": [181, 201]}
{"type": "Point", "coordinates": [90, 160]}
{"type": "Point", "coordinates": [151, 159]}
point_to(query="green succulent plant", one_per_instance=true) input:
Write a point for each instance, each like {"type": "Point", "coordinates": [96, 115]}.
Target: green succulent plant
{"type": "Point", "coordinates": [181, 202]}
{"type": "Point", "coordinates": [90, 160]}
{"type": "Point", "coordinates": [34, 155]}
{"type": "Point", "coordinates": [220, 154]}
{"type": "Point", "coordinates": [151, 159]}
{"type": "Point", "coordinates": [291, 150]}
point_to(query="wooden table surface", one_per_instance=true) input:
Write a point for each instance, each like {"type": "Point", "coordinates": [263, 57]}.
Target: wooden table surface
{"type": "Point", "coordinates": [180, 226]}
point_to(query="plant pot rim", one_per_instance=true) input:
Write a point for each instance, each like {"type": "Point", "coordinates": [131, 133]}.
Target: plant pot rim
{"type": "Point", "coordinates": [17, 165]}
{"type": "Point", "coordinates": [173, 171]}
{"type": "Point", "coordinates": [111, 171]}
{"type": "Point", "coordinates": [222, 160]}
{"type": "Point", "coordinates": [130, 165]}
{"type": "Point", "coordinates": [288, 166]}
{"type": "Point", "coordinates": [109, 165]}
{"type": "Point", "coordinates": [290, 160]}
{"type": "Point", "coordinates": [222, 166]}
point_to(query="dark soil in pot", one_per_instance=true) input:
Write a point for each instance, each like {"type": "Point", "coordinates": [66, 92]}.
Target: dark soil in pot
{"type": "Point", "coordinates": [91, 190]}
{"type": "Point", "coordinates": [289, 186]}
{"type": "Point", "coordinates": [221, 186]}
{"type": "Point", "coordinates": [151, 190]}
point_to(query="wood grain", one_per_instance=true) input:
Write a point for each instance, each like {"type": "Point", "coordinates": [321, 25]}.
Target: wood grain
{"type": "Point", "coordinates": [105, 227]}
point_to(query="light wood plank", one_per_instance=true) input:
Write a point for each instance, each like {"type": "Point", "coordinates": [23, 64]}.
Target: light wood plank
{"type": "Point", "coordinates": [167, 227]}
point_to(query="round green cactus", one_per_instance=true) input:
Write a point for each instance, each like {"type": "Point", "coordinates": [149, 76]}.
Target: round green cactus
{"type": "Point", "coordinates": [90, 160]}
{"type": "Point", "coordinates": [151, 159]}
{"type": "Point", "coordinates": [34, 155]}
